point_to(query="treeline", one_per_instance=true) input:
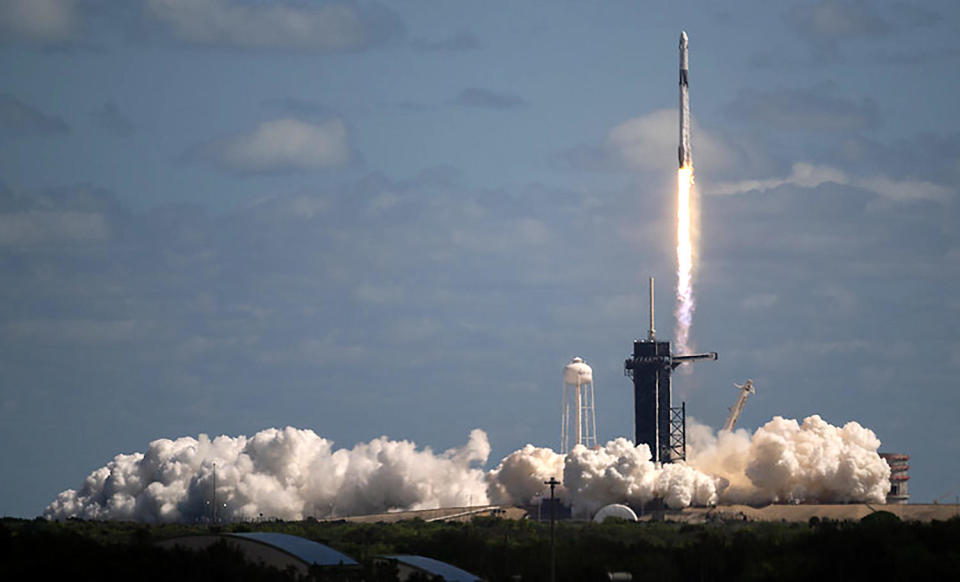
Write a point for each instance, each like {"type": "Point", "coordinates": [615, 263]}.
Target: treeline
{"type": "Point", "coordinates": [879, 547]}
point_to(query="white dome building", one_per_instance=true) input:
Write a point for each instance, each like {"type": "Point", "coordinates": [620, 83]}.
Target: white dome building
{"type": "Point", "coordinates": [615, 510]}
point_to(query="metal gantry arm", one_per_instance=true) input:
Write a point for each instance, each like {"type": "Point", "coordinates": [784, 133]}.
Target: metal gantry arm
{"type": "Point", "coordinates": [675, 361]}
{"type": "Point", "coordinates": [735, 410]}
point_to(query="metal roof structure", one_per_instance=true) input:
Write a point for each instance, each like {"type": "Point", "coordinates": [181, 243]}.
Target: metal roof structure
{"type": "Point", "coordinates": [436, 567]}
{"type": "Point", "coordinates": [309, 551]}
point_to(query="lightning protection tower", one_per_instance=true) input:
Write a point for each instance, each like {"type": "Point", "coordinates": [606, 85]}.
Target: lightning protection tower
{"type": "Point", "coordinates": [578, 422]}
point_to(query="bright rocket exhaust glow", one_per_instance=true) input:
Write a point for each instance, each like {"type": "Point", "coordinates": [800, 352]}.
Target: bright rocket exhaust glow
{"type": "Point", "coordinates": [685, 299]}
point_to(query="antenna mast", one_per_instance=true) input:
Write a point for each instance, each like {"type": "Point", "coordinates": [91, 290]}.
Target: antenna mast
{"type": "Point", "coordinates": [652, 334]}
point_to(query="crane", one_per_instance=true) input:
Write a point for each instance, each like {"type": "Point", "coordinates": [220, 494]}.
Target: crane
{"type": "Point", "coordinates": [745, 390]}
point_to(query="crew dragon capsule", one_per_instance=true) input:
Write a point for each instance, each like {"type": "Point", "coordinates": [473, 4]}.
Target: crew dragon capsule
{"type": "Point", "coordinates": [683, 150]}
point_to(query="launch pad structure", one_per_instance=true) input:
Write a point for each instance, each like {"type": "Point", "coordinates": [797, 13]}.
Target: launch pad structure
{"type": "Point", "coordinates": [656, 422]}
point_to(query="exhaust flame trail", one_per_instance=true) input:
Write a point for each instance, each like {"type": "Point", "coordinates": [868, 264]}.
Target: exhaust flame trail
{"type": "Point", "coordinates": [685, 300]}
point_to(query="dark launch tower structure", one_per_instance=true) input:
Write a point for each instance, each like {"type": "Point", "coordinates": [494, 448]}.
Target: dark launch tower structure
{"type": "Point", "coordinates": [656, 421]}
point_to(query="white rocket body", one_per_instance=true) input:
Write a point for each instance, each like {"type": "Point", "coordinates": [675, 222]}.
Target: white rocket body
{"type": "Point", "coordinates": [683, 151]}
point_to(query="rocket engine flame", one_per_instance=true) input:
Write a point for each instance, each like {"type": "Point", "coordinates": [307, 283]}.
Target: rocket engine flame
{"type": "Point", "coordinates": [686, 303]}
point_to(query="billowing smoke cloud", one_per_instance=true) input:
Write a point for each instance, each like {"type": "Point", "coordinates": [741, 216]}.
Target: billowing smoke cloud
{"type": "Point", "coordinates": [782, 462]}
{"type": "Point", "coordinates": [288, 473]}
{"type": "Point", "coordinates": [293, 473]}
{"type": "Point", "coordinates": [789, 462]}
{"type": "Point", "coordinates": [521, 475]}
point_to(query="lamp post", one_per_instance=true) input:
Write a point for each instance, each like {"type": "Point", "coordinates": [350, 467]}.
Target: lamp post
{"type": "Point", "coordinates": [553, 516]}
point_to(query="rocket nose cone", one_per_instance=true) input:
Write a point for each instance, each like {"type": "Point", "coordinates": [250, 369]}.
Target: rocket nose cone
{"type": "Point", "coordinates": [683, 38]}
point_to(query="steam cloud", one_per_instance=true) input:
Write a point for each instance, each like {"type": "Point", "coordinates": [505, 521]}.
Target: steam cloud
{"type": "Point", "coordinates": [288, 474]}
{"type": "Point", "coordinates": [293, 473]}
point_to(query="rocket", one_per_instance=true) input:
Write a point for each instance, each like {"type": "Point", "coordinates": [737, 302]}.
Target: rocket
{"type": "Point", "coordinates": [683, 151]}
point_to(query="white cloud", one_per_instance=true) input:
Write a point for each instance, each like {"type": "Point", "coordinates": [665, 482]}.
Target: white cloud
{"type": "Point", "coordinates": [38, 227]}
{"type": "Point", "coordinates": [73, 331]}
{"type": "Point", "coordinates": [802, 174]}
{"type": "Point", "coordinates": [649, 142]}
{"type": "Point", "coordinates": [905, 190]}
{"type": "Point", "coordinates": [276, 24]}
{"type": "Point", "coordinates": [304, 206]}
{"type": "Point", "coordinates": [285, 144]}
{"type": "Point", "coordinates": [38, 20]}
{"type": "Point", "coordinates": [807, 175]}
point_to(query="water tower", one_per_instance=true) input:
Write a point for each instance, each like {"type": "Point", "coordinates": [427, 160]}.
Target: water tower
{"type": "Point", "coordinates": [578, 422]}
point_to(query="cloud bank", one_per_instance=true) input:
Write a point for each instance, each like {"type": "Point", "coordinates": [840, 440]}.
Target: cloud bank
{"type": "Point", "coordinates": [283, 24]}
{"type": "Point", "coordinates": [40, 21]}
{"type": "Point", "coordinates": [806, 175]}
{"type": "Point", "coordinates": [649, 143]}
{"type": "Point", "coordinates": [283, 144]}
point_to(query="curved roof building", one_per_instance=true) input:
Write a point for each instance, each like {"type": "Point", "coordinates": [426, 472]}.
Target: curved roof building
{"type": "Point", "coordinates": [279, 550]}
{"type": "Point", "coordinates": [408, 565]}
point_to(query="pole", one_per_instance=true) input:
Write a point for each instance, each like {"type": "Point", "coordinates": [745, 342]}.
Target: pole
{"type": "Point", "coordinates": [553, 540]}
{"type": "Point", "coordinates": [652, 334]}
{"type": "Point", "coordinates": [214, 493]}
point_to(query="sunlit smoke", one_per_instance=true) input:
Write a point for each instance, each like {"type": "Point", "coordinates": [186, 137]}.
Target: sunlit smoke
{"type": "Point", "coordinates": [278, 473]}
{"type": "Point", "coordinates": [685, 299]}
{"type": "Point", "coordinates": [292, 473]}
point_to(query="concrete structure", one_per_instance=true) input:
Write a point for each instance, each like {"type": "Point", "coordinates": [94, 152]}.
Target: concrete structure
{"type": "Point", "coordinates": [578, 422]}
{"type": "Point", "coordinates": [898, 477]}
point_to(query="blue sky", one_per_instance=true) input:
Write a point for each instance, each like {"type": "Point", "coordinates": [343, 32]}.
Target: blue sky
{"type": "Point", "coordinates": [218, 216]}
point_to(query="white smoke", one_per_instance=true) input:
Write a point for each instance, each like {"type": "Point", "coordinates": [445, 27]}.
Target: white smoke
{"type": "Point", "coordinates": [782, 462]}
{"type": "Point", "coordinates": [521, 475]}
{"type": "Point", "coordinates": [292, 474]}
{"type": "Point", "coordinates": [287, 474]}
{"type": "Point", "coordinates": [789, 462]}
{"type": "Point", "coordinates": [621, 472]}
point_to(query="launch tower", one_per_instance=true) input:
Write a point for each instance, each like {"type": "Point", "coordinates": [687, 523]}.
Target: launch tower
{"type": "Point", "coordinates": [656, 422]}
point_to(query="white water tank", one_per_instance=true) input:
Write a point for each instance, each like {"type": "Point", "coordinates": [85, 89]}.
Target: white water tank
{"type": "Point", "coordinates": [578, 422]}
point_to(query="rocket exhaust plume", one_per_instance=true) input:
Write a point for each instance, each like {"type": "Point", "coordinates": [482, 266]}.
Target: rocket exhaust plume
{"type": "Point", "coordinates": [685, 299]}
{"type": "Point", "coordinates": [292, 473]}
